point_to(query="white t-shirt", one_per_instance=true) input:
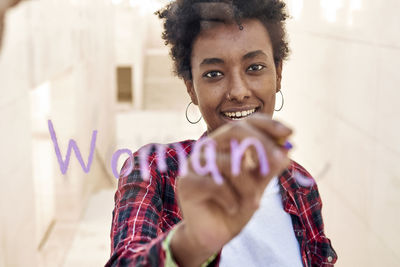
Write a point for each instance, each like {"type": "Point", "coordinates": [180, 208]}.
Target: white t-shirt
{"type": "Point", "coordinates": [268, 238]}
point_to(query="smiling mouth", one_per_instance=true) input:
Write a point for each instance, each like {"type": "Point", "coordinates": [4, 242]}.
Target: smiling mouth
{"type": "Point", "coordinates": [239, 115]}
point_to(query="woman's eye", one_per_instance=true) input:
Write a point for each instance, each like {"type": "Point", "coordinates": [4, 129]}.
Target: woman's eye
{"type": "Point", "coordinates": [213, 74]}
{"type": "Point", "coordinates": [256, 67]}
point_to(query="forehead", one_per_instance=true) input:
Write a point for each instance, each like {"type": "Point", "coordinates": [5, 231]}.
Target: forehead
{"type": "Point", "coordinates": [222, 40]}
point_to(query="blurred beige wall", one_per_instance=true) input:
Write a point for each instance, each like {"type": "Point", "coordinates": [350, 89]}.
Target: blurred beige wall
{"type": "Point", "coordinates": [17, 223]}
{"type": "Point", "coordinates": [57, 54]}
{"type": "Point", "coordinates": [341, 93]}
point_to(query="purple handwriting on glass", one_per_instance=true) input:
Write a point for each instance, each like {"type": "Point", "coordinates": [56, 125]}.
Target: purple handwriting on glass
{"type": "Point", "coordinates": [210, 157]}
{"type": "Point", "coordinates": [210, 167]}
{"type": "Point", "coordinates": [72, 145]}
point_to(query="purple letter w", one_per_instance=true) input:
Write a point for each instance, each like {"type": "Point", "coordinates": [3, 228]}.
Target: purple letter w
{"type": "Point", "coordinates": [72, 145]}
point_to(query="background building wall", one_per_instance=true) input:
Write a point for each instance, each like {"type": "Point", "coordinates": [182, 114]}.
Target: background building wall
{"type": "Point", "coordinates": [59, 55]}
{"type": "Point", "coordinates": [17, 223]}
{"type": "Point", "coordinates": [340, 88]}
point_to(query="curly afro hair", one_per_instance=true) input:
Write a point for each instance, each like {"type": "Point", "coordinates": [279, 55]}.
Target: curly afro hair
{"type": "Point", "coordinates": [184, 19]}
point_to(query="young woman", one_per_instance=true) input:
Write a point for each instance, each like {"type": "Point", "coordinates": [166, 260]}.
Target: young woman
{"type": "Point", "coordinates": [229, 55]}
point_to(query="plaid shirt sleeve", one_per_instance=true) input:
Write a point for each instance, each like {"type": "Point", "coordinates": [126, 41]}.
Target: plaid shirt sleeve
{"type": "Point", "coordinates": [144, 213]}
{"type": "Point", "coordinates": [305, 207]}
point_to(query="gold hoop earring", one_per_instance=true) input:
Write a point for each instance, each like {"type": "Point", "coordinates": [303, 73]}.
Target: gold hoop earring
{"type": "Point", "coordinates": [283, 101]}
{"type": "Point", "coordinates": [187, 117]}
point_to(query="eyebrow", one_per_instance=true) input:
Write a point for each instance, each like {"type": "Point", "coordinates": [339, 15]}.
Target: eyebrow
{"type": "Point", "coordinates": [254, 54]}
{"type": "Point", "coordinates": [214, 60]}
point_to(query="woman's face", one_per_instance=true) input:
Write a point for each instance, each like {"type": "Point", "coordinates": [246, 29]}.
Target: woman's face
{"type": "Point", "coordinates": [233, 72]}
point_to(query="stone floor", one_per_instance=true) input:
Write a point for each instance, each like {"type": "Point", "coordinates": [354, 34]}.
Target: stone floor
{"type": "Point", "coordinates": [91, 244]}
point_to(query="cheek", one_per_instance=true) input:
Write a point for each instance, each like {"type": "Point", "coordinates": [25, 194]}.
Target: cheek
{"type": "Point", "coordinates": [210, 98]}
{"type": "Point", "coordinates": [265, 88]}
{"type": "Point", "coordinates": [208, 102]}
{"type": "Point", "coordinates": [210, 95]}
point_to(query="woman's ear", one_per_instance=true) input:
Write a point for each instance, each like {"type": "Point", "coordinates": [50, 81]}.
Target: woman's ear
{"type": "Point", "coordinates": [278, 76]}
{"type": "Point", "coordinates": [191, 91]}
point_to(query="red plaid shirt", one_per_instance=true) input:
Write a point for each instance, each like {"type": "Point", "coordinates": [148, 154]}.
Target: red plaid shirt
{"type": "Point", "coordinates": [145, 212]}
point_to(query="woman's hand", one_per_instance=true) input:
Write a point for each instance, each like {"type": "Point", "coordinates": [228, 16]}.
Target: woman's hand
{"type": "Point", "coordinates": [214, 214]}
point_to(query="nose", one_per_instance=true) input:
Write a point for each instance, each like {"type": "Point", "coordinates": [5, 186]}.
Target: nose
{"type": "Point", "coordinates": [238, 89]}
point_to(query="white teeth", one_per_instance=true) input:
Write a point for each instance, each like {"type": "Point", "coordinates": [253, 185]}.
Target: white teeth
{"type": "Point", "coordinates": [239, 114]}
